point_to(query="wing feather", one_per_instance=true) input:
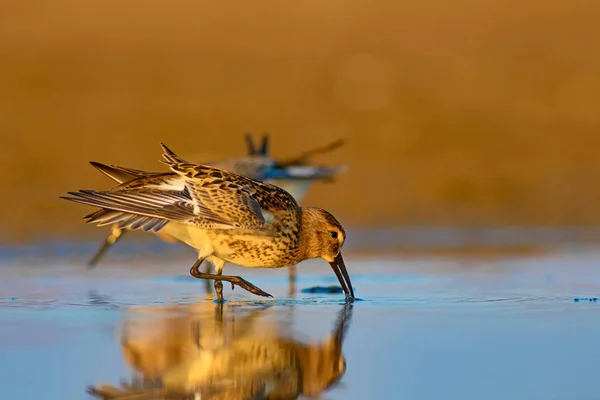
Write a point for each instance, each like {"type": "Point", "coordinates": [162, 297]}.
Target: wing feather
{"type": "Point", "coordinates": [192, 194]}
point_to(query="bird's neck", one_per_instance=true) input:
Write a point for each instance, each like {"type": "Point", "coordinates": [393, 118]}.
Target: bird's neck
{"type": "Point", "coordinates": [310, 244]}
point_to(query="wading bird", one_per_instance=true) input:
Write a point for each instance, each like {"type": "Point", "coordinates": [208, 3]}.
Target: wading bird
{"type": "Point", "coordinates": [226, 217]}
{"type": "Point", "coordinates": [294, 175]}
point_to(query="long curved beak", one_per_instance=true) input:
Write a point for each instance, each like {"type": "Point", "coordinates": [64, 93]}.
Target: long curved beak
{"type": "Point", "coordinates": [339, 268]}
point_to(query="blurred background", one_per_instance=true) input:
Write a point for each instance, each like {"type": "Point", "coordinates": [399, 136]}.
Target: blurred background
{"type": "Point", "coordinates": [466, 114]}
{"type": "Point", "coordinates": [471, 128]}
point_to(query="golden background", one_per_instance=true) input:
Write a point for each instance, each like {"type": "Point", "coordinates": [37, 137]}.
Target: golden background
{"type": "Point", "coordinates": [455, 113]}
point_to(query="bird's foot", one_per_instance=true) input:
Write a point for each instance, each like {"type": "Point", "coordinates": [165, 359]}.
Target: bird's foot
{"type": "Point", "coordinates": [219, 290]}
{"type": "Point", "coordinates": [244, 284]}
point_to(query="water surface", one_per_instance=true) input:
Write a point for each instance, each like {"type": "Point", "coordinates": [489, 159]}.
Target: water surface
{"type": "Point", "coordinates": [426, 328]}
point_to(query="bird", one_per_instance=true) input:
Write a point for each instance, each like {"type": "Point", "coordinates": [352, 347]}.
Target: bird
{"type": "Point", "coordinates": [249, 354]}
{"type": "Point", "coordinates": [226, 217]}
{"type": "Point", "coordinates": [300, 175]}
{"type": "Point", "coordinates": [293, 175]}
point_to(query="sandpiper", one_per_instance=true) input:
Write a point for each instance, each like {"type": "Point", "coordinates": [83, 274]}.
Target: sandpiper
{"type": "Point", "coordinates": [226, 217]}
{"type": "Point", "coordinates": [293, 175]}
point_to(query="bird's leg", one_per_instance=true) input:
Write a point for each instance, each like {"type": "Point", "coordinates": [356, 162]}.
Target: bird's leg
{"type": "Point", "coordinates": [234, 280]}
{"type": "Point", "coordinates": [292, 280]}
{"type": "Point", "coordinates": [194, 270]}
{"type": "Point", "coordinates": [219, 290]}
{"type": "Point", "coordinates": [115, 234]}
{"type": "Point", "coordinates": [207, 282]}
{"type": "Point", "coordinates": [218, 265]}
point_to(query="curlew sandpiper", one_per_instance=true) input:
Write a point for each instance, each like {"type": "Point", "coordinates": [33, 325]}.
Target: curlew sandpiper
{"type": "Point", "coordinates": [226, 217]}
{"type": "Point", "coordinates": [293, 175]}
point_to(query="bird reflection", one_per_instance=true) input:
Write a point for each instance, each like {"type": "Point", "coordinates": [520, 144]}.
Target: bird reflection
{"type": "Point", "coordinates": [226, 352]}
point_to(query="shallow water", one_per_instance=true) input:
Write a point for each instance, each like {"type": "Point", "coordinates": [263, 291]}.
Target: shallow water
{"type": "Point", "coordinates": [426, 328]}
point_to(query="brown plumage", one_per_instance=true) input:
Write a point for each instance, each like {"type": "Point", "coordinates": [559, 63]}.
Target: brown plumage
{"type": "Point", "coordinates": [225, 216]}
{"type": "Point", "coordinates": [293, 175]}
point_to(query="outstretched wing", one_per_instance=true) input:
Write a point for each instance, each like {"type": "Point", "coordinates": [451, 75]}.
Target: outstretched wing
{"type": "Point", "coordinates": [151, 209]}
{"type": "Point", "coordinates": [218, 186]}
{"type": "Point", "coordinates": [195, 195]}
{"type": "Point", "coordinates": [263, 150]}
{"type": "Point", "coordinates": [148, 209]}
{"type": "Point", "coordinates": [122, 174]}
{"type": "Point", "coordinates": [255, 167]}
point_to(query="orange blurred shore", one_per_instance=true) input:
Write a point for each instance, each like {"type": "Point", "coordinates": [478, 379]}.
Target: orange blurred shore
{"type": "Point", "coordinates": [463, 114]}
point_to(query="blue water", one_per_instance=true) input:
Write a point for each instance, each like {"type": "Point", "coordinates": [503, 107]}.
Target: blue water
{"type": "Point", "coordinates": [427, 328]}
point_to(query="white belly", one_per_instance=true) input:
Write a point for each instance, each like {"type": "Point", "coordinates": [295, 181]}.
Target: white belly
{"type": "Point", "coordinates": [192, 236]}
{"type": "Point", "coordinates": [244, 249]}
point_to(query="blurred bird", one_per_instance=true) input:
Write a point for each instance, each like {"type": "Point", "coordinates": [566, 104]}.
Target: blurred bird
{"type": "Point", "coordinates": [226, 217]}
{"type": "Point", "coordinates": [295, 175]}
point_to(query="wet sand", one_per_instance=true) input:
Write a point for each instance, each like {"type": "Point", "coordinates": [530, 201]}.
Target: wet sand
{"type": "Point", "coordinates": [425, 328]}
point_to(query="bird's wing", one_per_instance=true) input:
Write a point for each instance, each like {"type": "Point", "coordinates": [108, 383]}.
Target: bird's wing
{"type": "Point", "coordinates": [195, 195]}
{"type": "Point", "coordinates": [303, 158]}
{"type": "Point", "coordinates": [255, 167]}
{"type": "Point", "coordinates": [151, 209]}
{"type": "Point", "coordinates": [122, 174]}
{"type": "Point", "coordinates": [147, 208]}
{"type": "Point", "coordinates": [229, 187]}
{"type": "Point", "coordinates": [263, 150]}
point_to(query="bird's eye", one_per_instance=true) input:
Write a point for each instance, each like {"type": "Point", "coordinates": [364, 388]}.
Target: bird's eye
{"type": "Point", "coordinates": [333, 234]}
